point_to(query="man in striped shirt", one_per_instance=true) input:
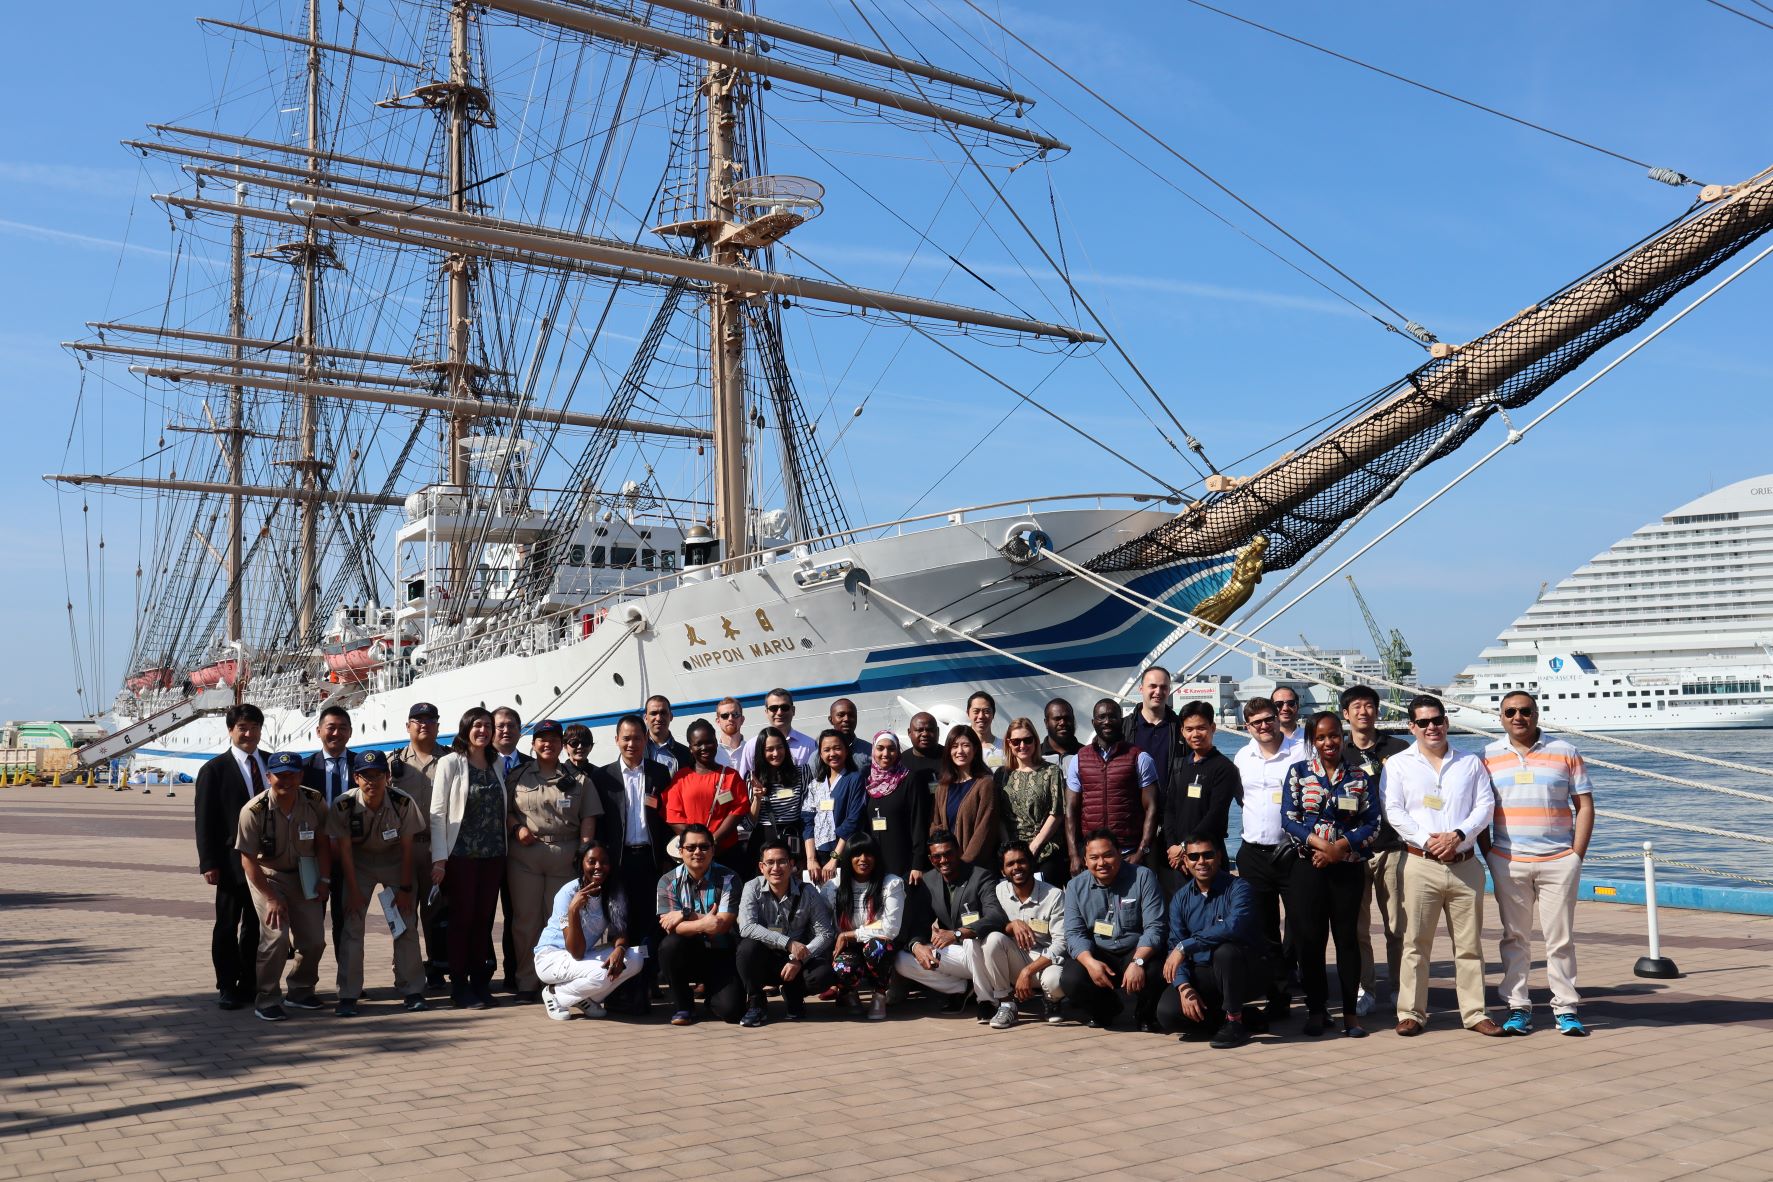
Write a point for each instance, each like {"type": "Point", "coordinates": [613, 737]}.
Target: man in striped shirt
{"type": "Point", "coordinates": [1539, 835]}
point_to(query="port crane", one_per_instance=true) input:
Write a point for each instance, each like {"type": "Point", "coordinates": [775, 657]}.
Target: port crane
{"type": "Point", "coordinates": [1392, 650]}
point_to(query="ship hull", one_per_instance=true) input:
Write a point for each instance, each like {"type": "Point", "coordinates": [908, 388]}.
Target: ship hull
{"type": "Point", "coordinates": [746, 634]}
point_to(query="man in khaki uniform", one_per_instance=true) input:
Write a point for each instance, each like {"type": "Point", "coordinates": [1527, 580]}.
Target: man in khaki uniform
{"type": "Point", "coordinates": [281, 841]}
{"type": "Point", "coordinates": [372, 828]}
{"type": "Point", "coordinates": [413, 771]}
{"type": "Point", "coordinates": [551, 813]}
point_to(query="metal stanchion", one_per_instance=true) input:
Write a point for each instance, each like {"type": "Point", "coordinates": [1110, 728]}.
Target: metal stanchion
{"type": "Point", "coordinates": [1655, 964]}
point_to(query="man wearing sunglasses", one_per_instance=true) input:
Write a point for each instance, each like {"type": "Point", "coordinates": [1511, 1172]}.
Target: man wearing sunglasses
{"type": "Point", "coordinates": [698, 908]}
{"type": "Point", "coordinates": [1439, 800]}
{"type": "Point", "coordinates": [1264, 858]}
{"type": "Point", "coordinates": [1286, 714]}
{"type": "Point", "coordinates": [1215, 962]}
{"type": "Point", "coordinates": [729, 732]}
{"type": "Point", "coordinates": [1539, 836]}
{"type": "Point", "coordinates": [778, 711]}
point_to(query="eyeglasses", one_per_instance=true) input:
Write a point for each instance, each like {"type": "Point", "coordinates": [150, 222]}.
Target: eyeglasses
{"type": "Point", "coordinates": [698, 848]}
{"type": "Point", "coordinates": [1520, 711]}
{"type": "Point", "coordinates": [1021, 741]}
{"type": "Point", "coordinates": [778, 707]}
{"type": "Point", "coordinates": [1265, 720]}
{"type": "Point", "coordinates": [1425, 723]}
{"type": "Point", "coordinates": [1285, 704]}
{"type": "Point", "coordinates": [1201, 856]}
{"type": "Point", "coordinates": [726, 714]}
{"type": "Point", "coordinates": [578, 744]}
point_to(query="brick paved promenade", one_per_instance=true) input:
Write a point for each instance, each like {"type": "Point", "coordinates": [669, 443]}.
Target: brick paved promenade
{"type": "Point", "coordinates": [114, 1062]}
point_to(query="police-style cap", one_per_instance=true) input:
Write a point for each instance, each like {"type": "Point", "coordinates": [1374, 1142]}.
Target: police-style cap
{"type": "Point", "coordinates": [422, 710]}
{"type": "Point", "coordinates": [548, 726]}
{"type": "Point", "coordinates": [284, 761]}
{"type": "Point", "coordinates": [370, 761]}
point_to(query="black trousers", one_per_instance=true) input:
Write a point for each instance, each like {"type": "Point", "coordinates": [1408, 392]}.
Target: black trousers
{"type": "Point", "coordinates": [1268, 869]}
{"type": "Point", "coordinates": [234, 941]}
{"type": "Point", "coordinates": [686, 960]}
{"type": "Point", "coordinates": [1226, 984]}
{"type": "Point", "coordinates": [473, 887]}
{"type": "Point", "coordinates": [1321, 903]}
{"type": "Point", "coordinates": [639, 875]}
{"type": "Point", "coordinates": [1103, 1004]}
{"type": "Point", "coordinates": [760, 966]}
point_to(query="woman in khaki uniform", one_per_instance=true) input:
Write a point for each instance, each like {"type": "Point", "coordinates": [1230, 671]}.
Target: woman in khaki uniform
{"type": "Point", "coordinates": [283, 850]}
{"type": "Point", "coordinates": [551, 813]}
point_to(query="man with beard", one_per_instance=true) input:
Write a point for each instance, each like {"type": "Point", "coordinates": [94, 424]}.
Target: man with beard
{"type": "Point", "coordinates": [1113, 787]}
{"type": "Point", "coordinates": [1061, 732]}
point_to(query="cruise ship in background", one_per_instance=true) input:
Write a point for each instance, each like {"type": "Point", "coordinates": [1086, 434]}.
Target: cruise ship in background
{"type": "Point", "coordinates": [1670, 628]}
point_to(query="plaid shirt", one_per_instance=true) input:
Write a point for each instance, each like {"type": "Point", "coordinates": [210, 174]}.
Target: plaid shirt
{"type": "Point", "coordinates": [716, 896]}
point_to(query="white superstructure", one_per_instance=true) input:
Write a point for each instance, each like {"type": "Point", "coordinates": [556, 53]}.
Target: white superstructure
{"type": "Point", "coordinates": [1670, 628]}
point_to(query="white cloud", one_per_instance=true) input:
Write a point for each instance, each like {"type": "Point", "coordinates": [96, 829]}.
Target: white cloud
{"type": "Point", "coordinates": [51, 234]}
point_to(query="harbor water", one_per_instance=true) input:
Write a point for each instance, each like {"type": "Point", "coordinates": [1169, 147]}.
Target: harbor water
{"type": "Point", "coordinates": [1621, 792]}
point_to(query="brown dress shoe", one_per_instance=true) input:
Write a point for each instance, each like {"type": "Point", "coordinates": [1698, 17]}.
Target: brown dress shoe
{"type": "Point", "coordinates": [1409, 1027]}
{"type": "Point", "coordinates": [1489, 1029]}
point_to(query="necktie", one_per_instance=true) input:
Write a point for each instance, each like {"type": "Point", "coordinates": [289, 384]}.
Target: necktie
{"type": "Point", "coordinates": [338, 785]}
{"type": "Point", "coordinates": [258, 777]}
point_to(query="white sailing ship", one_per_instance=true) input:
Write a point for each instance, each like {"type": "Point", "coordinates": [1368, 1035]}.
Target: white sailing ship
{"type": "Point", "coordinates": [387, 492]}
{"type": "Point", "coordinates": [1669, 628]}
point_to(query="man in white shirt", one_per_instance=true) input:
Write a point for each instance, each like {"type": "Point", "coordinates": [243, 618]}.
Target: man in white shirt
{"type": "Point", "coordinates": [328, 771]}
{"type": "Point", "coordinates": [1264, 859]}
{"type": "Point", "coordinates": [1036, 913]}
{"type": "Point", "coordinates": [1439, 800]}
{"type": "Point", "coordinates": [1286, 713]}
{"type": "Point", "coordinates": [778, 711]}
{"type": "Point", "coordinates": [729, 733]}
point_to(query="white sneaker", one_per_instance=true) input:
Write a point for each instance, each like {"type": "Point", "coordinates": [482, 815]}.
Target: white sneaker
{"type": "Point", "coordinates": [552, 1007]}
{"type": "Point", "coordinates": [1005, 1016]}
{"type": "Point", "coordinates": [877, 1007]}
{"type": "Point", "coordinates": [1364, 1004]}
{"type": "Point", "coordinates": [1055, 1013]}
{"type": "Point", "coordinates": [591, 1009]}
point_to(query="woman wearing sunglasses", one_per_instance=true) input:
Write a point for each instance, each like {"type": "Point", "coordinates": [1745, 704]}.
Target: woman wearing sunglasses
{"type": "Point", "coordinates": [1330, 812]}
{"type": "Point", "coordinates": [1031, 801]}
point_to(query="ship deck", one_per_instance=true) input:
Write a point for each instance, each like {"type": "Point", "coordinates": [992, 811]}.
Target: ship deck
{"type": "Point", "coordinates": [119, 1065]}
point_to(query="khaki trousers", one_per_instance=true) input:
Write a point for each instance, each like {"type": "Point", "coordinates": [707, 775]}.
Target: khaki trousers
{"type": "Point", "coordinates": [1548, 890]}
{"type": "Point", "coordinates": [303, 933]}
{"type": "Point", "coordinates": [1385, 887]}
{"type": "Point", "coordinates": [409, 969]}
{"type": "Point", "coordinates": [535, 874]}
{"type": "Point", "coordinates": [1432, 890]}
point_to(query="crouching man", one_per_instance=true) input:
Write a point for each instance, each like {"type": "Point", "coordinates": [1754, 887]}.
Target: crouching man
{"type": "Point", "coordinates": [281, 841]}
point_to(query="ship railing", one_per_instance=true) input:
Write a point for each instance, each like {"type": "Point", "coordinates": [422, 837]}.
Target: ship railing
{"type": "Point", "coordinates": [557, 626]}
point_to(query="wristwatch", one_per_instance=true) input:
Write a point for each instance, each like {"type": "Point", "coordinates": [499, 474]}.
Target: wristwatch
{"type": "Point", "coordinates": [1139, 960]}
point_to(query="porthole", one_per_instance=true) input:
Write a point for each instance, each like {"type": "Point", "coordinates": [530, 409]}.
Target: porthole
{"type": "Point", "coordinates": [617, 678]}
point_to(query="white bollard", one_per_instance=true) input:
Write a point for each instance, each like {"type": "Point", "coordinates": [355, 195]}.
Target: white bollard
{"type": "Point", "coordinates": [1655, 964]}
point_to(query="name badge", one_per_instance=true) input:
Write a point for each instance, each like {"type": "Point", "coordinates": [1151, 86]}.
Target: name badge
{"type": "Point", "coordinates": [880, 824]}
{"type": "Point", "coordinates": [1104, 928]}
{"type": "Point", "coordinates": [969, 918]}
{"type": "Point", "coordinates": [390, 835]}
{"type": "Point", "coordinates": [1039, 927]}
{"type": "Point", "coordinates": [1523, 777]}
{"type": "Point", "coordinates": [825, 805]}
{"type": "Point", "coordinates": [1347, 804]}
{"type": "Point", "coordinates": [724, 796]}
{"type": "Point", "coordinates": [779, 929]}
{"type": "Point", "coordinates": [1194, 790]}
{"type": "Point", "coordinates": [782, 794]}
{"type": "Point", "coordinates": [1277, 796]}
{"type": "Point", "coordinates": [304, 835]}
{"type": "Point", "coordinates": [1433, 802]}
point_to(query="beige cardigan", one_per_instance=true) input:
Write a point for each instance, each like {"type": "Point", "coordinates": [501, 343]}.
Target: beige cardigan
{"type": "Point", "coordinates": [449, 797]}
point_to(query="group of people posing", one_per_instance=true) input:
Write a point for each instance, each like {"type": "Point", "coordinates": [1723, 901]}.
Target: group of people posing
{"type": "Point", "coordinates": [1036, 873]}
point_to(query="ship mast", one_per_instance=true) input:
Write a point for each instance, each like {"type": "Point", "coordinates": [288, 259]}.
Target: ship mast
{"type": "Point", "coordinates": [726, 317]}
{"type": "Point", "coordinates": [307, 464]}
{"type": "Point", "coordinates": [236, 436]}
{"type": "Point", "coordinates": [458, 268]}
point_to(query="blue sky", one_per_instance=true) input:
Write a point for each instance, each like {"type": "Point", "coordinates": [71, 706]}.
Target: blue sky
{"type": "Point", "coordinates": [1457, 218]}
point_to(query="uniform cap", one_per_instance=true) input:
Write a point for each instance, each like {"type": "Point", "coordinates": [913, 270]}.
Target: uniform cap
{"type": "Point", "coordinates": [548, 726]}
{"type": "Point", "coordinates": [422, 710]}
{"type": "Point", "coordinates": [283, 761]}
{"type": "Point", "coordinates": [370, 761]}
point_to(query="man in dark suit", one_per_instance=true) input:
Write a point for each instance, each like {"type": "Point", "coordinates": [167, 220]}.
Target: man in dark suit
{"type": "Point", "coordinates": [634, 832]}
{"type": "Point", "coordinates": [328, 772]}
{"type": "Point", "coordinates": [953, 934]}
{"type": "Point", "coordinates": [224, 785]}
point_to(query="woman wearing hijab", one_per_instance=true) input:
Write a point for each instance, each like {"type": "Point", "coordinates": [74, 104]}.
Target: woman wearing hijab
{"type": "Point", "coordinates": [896, 811]}
{"type": "Point", "coordinates": [966, 799]}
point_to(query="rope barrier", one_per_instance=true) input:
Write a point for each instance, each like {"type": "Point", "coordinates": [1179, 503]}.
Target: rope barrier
{"type": "Point", "coordinates": [1707, 870]}
{"type": "Point", "coordinates": [1684, 827]}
